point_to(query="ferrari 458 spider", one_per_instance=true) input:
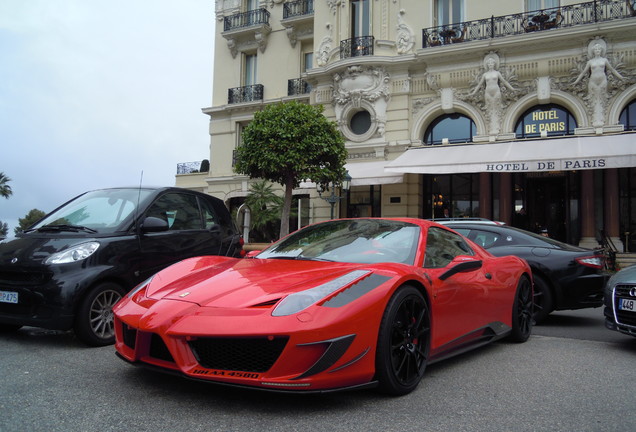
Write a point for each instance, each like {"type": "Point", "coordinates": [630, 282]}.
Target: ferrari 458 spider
{"type": "Point", "coordinates": [336, 305]}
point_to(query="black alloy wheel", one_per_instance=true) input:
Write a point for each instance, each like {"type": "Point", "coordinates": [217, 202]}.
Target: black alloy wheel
{"type": "Point", "coordinates": [403, 342]}
{"type": "Point", "coordinates": [522, 311]}
{"type": "Point", "coordinates": [542, 299]}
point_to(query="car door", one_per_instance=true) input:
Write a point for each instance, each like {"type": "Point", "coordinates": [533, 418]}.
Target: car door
{"type": "Point", "coordinates": [459, 298]}
{"type": "Point", "coordinates": [188, 232]}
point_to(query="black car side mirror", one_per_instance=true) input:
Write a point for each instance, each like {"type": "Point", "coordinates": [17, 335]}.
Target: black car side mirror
{"type": "Point", "coordinates": [154, 224]}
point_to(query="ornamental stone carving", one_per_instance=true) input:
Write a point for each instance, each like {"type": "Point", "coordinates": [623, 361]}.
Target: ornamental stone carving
{"type": "Point", "coordinates": [361, 88]}
{"type": "Point", "coordinates": [405, 38]}
{"type": "Point", "coordinates": [603, 80]}
{"type": "Point", "coordinates": [324, 50]}
{"type": "Point", "coordinates": [497, 91]}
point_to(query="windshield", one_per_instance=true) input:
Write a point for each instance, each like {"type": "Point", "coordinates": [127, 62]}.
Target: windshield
{"type": "Point", "coordinates": [103, 211]}
{"type": "Point", "coordinates": [350, 240]}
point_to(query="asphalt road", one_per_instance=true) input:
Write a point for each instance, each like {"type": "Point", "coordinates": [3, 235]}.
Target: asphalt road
{"type": "Point", "coordinates": [572, 375]}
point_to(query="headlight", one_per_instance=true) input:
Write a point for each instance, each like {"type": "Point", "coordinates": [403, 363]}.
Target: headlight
{"type": "Point", "coordinates": [296, 302]}
{"type": "Point", "coordinates": [73, 254]}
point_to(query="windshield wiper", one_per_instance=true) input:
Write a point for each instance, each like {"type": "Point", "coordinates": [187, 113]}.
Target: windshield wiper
{"type": "Point", "coordinates": [65, 227]}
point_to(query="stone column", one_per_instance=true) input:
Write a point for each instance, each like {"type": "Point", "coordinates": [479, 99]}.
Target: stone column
{"type": "Point", "coordinates": [611, 216]}
{"type": "Point", "coordinates": [485, 196]}
{"type": "Point", "coordinates": [505, 198]}
{"type": "Point", "coordinates": [588, 220]}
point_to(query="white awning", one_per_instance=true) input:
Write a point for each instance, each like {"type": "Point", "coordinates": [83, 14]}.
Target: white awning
{"type": "Point", "coordinates": [561, 154]}
{"type": "Point", "coordinates": [371, 173]}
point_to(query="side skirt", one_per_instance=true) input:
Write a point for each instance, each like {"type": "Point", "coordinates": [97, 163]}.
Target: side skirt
{"type": "Point", "coordinates": [483, 336]}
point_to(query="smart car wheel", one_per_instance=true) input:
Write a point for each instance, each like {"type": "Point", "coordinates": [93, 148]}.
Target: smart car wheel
{"type": "Point", "coordinates": [403, 342]}
{"type": "Point", "coordinates": [94, 323]}
{"type": "Point", "coordinates": [522, 309]}
{"type": "Point", "coordinates": [542, 299]}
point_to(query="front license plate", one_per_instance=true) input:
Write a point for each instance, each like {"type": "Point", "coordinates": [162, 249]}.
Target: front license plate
{"type": "Point", "coordinates": [8, 297]}
{"type": "Point", "coordinates": [627, 304]}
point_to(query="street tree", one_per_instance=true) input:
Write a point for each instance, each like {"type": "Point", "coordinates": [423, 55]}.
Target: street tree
{"type": "Point", "coordinates": [31, 217]}
{"type": "Point", "coordinates": [4, 230]}
{"type": "Point", "coordinates": [5, 189]}
{"type": "Point", "coordinates": [290, 142]}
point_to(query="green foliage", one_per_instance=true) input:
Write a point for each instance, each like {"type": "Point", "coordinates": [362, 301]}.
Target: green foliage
{"type": "Point", "coordinates": [265, 205]}
{"type": "Point", "coordinates": [293, 141]}
{"type": "Point", "coordinates": [4, 229]}
{"type": "Point", "coordinates": [5, 189]}
{"type": "Point", "coordinates": [289, 142]}
{"type": "Point", "coordinates": [32, 217]}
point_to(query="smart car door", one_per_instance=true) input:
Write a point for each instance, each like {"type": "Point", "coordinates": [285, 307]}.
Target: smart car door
{"type": "Point", "coordinates": [186, 233]}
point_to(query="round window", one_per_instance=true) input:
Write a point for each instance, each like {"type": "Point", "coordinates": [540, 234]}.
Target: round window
{"type": "Point", "coordinates": [360, 122]}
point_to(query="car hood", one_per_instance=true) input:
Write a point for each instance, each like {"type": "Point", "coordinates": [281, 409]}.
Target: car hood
{"type": "Point", "coordinates": [236, 283]}
{"type": "Point", "coordinates": [34, 249]}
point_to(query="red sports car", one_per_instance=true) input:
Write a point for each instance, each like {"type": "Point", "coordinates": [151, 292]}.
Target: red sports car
{"type": "Point", "coordinates": [337, 305]}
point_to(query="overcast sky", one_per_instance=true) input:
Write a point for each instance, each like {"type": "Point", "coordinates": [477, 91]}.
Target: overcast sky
{"type": "Point", "coordinates": [93, 92]}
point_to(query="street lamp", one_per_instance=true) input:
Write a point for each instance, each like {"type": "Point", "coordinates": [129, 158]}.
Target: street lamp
{"type": "Point", "coordinates": [332, 199]}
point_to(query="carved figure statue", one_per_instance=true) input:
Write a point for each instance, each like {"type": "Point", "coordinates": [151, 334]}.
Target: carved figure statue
{"type": "Point", "coordinates": [597, 68]}
{"type": "Point", "coordinates": [493, 103]}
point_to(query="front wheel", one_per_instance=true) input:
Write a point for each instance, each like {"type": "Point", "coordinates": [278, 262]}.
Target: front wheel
{"type": "Point", "coordinates": [94, 321]}
{"type": "Point", "coordinates": [522, 311]}
{"type": "Point", "coordinates": [403, 342]}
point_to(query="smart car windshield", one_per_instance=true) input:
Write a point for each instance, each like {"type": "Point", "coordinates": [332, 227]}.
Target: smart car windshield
{"type": "Point", "coordinates": [102, 211]}
{"type": "Point", "coordinates": [350, 240]}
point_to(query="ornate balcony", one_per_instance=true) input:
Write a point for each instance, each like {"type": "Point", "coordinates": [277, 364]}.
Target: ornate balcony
{"type": "Point", "coordinates": [356, 47]}
{"type": "Point", "coordinates": [246, 19]}
{"type": "Point", "coordinates": [299, 8]}
{"type": "Point", "coordinates": [189, 167]}
{"type": "Point", "coordinates": [298, 19]}
{"type": "Point", "coordinates": [297, 87]}
{"type": "Point", "coordinates": [249, 93]}
{"type": "Point", "coordinates": [246, 30]}
{"type": "Point", "coordinates": [527, 22]}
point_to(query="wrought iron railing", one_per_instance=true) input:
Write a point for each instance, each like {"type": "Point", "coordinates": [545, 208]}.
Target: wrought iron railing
{"type": "Point", "coordinates": [188, 167]}
{"type": "Point", "coordinates": [298, 8]}
{"type": "Point", "coordinates": [245, 94]}
{"type": "Point", "coordinates": [528, 22]}
{"type": "Point", "coordinates": [297, 86]}
{"type": "Point", "coordinates": [246, 19]}
{"type": "Point", "coordinates": [357, 46]}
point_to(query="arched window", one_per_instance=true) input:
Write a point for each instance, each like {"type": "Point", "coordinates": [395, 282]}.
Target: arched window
{"type": "Point", "coordinates": [545, 120]}
{"type": "Point", "coordinates": [628, 116]}
{"type": "Point", "coordinates": [456, 128]}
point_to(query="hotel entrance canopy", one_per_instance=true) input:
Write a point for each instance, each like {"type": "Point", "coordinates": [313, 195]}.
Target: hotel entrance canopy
{"type": "Point", "coordinates": [557, 154]}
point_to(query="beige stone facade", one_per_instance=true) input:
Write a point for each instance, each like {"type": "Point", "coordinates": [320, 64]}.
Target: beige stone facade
{"type": "Point", "coordinates": [398, 75]}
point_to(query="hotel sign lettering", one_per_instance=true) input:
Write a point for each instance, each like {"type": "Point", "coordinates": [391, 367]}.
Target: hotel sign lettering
{"type": "Point", "coordinates": [553, 120]}
{"type": "Point", "coordinates": [546, 165]}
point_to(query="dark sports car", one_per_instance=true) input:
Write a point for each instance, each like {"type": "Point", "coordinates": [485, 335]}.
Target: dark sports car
{"type": "Point", "coordinates": [565, 276]}
{"type": "Point", "coordinates": [620, 302]}
{"type": "Point", "coordinates": [340, 304]}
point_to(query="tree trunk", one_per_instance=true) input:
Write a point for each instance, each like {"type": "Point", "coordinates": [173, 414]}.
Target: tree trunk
{"type": "Point", "coordinates": [284, 218]}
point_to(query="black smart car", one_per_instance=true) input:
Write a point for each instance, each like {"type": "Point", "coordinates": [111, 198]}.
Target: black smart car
{"type": "Point", "coordinates": [69, 269]}
{"type": "Point", "coordinates": [565, 276]}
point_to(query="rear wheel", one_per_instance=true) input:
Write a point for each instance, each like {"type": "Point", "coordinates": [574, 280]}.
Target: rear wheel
{"type": "Point", "coordinates": [403, 342]}
{"type": "Point", "coordinates": [543, 303]}
{"type": "Point", "coordinates": [94, 322]}
{"type": "Point", "coordinates": [522, 308]}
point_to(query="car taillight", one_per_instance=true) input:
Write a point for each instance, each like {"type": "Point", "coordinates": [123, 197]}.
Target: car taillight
{"type": "Point", "coordinates": [594, 261]}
